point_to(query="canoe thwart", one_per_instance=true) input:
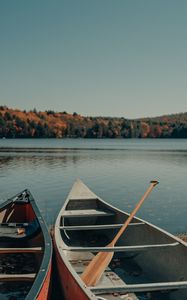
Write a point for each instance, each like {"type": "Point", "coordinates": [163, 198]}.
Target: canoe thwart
{"type": "Point", "coordinates": [17, 277]}
{"type": "Point", "coordinates": [14, 224]}
{"type": "Point", "coordinates": [86, 213]}
{"type": "Point", "coordinates": [121, 248]}
{"type": "Point", "coordinates": [98, 227]}
{"type": "Point", "coordinates": [21, 250]}
{"type": "Point", "coordinates": [135, 288]}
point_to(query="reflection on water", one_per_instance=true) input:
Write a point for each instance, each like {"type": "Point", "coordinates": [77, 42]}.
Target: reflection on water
{"type": "Point", "coordinates": [119, 171]}
{"type": "Point", "coordinates": [128, 144]}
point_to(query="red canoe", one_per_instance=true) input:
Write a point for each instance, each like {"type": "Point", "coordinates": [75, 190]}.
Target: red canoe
{"type": "Point", "coordinates": [25, 250]}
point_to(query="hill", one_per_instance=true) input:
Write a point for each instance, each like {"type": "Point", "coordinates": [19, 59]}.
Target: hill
{"type": "Point", "coordinates": [15, 123]}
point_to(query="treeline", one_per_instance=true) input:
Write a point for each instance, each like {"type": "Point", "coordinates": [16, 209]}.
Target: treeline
{"type": "Point", "coordinates": [36, 124]}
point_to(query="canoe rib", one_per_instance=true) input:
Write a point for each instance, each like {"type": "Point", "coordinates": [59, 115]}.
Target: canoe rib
{"type": "Point", "coordinates": [135, 288]}
{"type": "Point", "coordinates": [121, 248]}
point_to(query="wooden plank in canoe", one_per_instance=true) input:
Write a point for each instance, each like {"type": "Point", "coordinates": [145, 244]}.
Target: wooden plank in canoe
{"type": "Point", "coordinates": [17, 277]}
{"type": "Point", "coordinates": [86, 213]}
{"type": "Point", "coordinates": [14, 224]}
{"type": "Point", "coordinates": [21, 250]}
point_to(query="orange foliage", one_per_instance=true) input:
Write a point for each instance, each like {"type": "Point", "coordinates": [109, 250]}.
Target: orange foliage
{"type": "Point", "coordinates": [60, 124]}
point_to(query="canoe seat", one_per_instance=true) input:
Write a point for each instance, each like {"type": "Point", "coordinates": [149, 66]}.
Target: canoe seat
{"type": "Point", "coordinates": [12, 231]}
{"type": "Point", "coordinates": [21, 250]}
{"type": "Point", "coordinates": [137, 288]}
{"type": "Point", "coordinates": [86, 213]}
{"type": "Point", "coordinates": [17, 277]}
{"type": "Point", "coordinates": [14, 224]}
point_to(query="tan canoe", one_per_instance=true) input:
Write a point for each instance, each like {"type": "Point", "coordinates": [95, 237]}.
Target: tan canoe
{"type": "Point", "coordinates": [148, 262]}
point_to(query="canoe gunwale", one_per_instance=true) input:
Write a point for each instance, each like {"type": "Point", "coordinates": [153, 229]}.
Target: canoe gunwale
{"type": "Point", "coordinates": [47, 249]}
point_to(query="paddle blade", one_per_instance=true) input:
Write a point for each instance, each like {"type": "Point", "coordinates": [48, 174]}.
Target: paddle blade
{"type": "Point", "coordinates": [96, 268]}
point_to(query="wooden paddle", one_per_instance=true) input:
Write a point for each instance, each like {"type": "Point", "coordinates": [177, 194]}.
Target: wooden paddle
{"type": "Point", "coordinates": [99, 263]}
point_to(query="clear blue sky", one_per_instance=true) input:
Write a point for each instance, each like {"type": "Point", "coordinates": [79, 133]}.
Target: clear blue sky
{"type": "Point", "coordinates": [96, 57]}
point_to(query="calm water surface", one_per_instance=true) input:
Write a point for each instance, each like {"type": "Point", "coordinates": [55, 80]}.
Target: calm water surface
{"type": "Point", "coordinates": [119, 171]}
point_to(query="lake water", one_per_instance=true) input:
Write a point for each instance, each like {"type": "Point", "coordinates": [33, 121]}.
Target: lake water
{"type": "Point", "coordinates": [118, 171]}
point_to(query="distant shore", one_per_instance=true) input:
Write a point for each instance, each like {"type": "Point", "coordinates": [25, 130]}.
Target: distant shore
{"type": "Point", "coordinates": [16, 123]}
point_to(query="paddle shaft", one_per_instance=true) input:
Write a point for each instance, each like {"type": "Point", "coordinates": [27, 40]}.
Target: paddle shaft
{"type": "Point", "coordinates": [120, 232]}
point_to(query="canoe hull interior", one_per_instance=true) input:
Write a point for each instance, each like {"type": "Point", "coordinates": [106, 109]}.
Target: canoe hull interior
{"type": "Point", "coordinates": [17, 212]}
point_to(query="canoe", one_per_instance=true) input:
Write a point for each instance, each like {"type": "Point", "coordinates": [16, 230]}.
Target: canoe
{"type": "Point", "coordinates": [25, 250]}
{"type": "Point", "coordinates": [148, 262]}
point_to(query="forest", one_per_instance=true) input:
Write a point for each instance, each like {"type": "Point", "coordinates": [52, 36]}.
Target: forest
{"type": "Point", "coordinates": [15, 123]}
